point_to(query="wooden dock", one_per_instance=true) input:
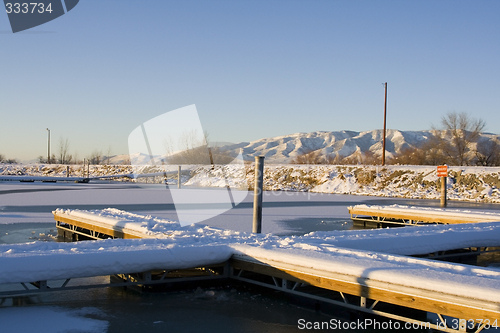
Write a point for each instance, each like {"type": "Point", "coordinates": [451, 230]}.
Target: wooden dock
{"type": "Point", "coordinates": [322, 278]}
{"type": "Point", "coordinates": [75, 228]}
{"type": "Point", "coordinates": [407, 301]}
{"type": "Point", "coordinates": [404, 215]}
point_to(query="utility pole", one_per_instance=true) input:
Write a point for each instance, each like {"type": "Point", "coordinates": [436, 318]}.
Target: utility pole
{"type": "Point", "coordinates": [48, 146]}
{"type": "Point", "coordinates": [385, 119]}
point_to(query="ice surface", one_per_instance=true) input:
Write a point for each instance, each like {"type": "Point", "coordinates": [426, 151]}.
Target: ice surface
{"type": "Point", "coordinates": [51, 319]}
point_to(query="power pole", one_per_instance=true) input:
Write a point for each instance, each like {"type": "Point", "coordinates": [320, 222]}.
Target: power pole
{"type": "Point", "coordinates": [385, 119]}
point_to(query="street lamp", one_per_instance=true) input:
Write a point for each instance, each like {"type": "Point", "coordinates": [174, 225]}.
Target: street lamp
{"type": "Point", "coordinates": [385, 118]}
{"type": "Point", "coordinates": [48, 146]}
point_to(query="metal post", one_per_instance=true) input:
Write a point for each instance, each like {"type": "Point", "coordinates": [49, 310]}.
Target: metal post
{"type": "Point", "coordinates": [385, 118]}
{"type": "Point", "coordinates": [443, 192]}
{"type": "Point", "coordinates": [257, 196]}
{"type": "Point", "coordinates": [48, 146]}
{"type": "Point", "coordinates": [67, 170]}
{"type": "Point", "coordinates": [179, 177]}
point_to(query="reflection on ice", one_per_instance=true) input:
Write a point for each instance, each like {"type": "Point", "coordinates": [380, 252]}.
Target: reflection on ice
{"type": "Point", "coordinates": [51, 319]}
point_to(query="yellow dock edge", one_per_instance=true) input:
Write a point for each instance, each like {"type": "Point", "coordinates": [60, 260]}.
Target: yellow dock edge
{"type": "Point", "coordinates": [378, 215]}
{"type": "Point", "coordinates": [415, 298]}
{"type": "Point", "coordinates": [95, 227]}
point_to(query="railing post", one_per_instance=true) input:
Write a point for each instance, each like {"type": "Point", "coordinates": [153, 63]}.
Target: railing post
{"type": "Point", "coordinates": [257, 196]}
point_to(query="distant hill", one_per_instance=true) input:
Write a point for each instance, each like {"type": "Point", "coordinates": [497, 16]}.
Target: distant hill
{"type": "Point", "coordinates": [283, 149]}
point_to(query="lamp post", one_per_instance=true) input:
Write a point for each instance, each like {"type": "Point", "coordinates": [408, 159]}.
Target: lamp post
{"type": "Point", "coordinates": [48, 146]}
{"type": "Point", "coordinates": [385, 117]}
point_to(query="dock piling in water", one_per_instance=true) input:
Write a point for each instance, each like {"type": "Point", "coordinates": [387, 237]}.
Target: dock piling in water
{"type": "Point", "coordinates": [257, 197]}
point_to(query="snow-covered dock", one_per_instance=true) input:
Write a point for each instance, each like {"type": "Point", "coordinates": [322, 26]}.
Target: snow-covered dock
{"type": "Point", "coordinates": [355, 269]}
{"type": "Point", "coordinates": [79, 225]}
{"type": "Point", "coordinates": [397, 214]}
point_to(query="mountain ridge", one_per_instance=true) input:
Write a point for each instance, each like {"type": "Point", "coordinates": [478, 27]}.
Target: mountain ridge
{"type": "Point", "coordinates": [345, 144]}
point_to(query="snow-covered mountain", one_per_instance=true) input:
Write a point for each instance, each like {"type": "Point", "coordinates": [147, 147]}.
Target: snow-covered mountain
{"type": "Point", "coordinates": [283, 149]}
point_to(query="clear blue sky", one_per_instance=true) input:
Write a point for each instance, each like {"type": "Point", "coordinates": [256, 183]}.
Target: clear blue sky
{"type": "Point", "coordinates": [254, 69]}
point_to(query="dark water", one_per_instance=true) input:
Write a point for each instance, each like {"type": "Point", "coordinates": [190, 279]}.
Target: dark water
{"type": "Point", "coordinates": [301, 226]}
{"type": "Point", "coordinates": [27, 232]}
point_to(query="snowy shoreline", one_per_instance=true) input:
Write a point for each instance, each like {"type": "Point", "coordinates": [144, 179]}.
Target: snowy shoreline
{"type": "Point", "coordinates": [472, 184]}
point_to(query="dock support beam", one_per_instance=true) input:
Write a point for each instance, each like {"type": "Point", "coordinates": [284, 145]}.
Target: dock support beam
{"type": "Point", "coordinates": [257, 196]}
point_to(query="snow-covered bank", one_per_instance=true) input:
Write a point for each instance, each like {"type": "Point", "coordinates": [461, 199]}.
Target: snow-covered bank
{"type": "Point", "coordinates": [476, 184]}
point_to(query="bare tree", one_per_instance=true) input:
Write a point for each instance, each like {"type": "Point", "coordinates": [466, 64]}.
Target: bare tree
{"type": "Point", "coordinates": [64, 156]}
{"type": "Point", "coordinates": [458, 138]}
{"type": "Point", "coordinates": [108, 155]}
{"type": "Point", "coordinates": [95, 157]}
{"type": "Point", "coordinates": [334, 159]}
{"type": "Point", "coordinates": [431, 152]}
{"type": "Point", "coordinates": [126, 160]}
{"type": "Point", "coordinates": [309, 157]}
{"type": "Point", "coordinates": [5, 160]}
{"type": "Point", "coordinates": [195, 149]}
{"type": "Point", "coordinates": [366, 158]}
{"type": "Point", "coordinates": [488, 152]}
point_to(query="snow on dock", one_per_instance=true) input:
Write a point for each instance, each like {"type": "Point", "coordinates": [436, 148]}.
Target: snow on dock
{"type": "Point", "coordinates": [53, 261]}
{"type": "Point", "coordinates": [424, 280]}
{"type": "Point", "coordinates": [193, 246]}
{"type": "Point", "coordinates": [366, 264]}
{"type": "Point", "coordinates": [409, 241]}
{"type": "Point", "coordinates": [414, 215]}
{"type": "Point", "coordinates": [111, 223]}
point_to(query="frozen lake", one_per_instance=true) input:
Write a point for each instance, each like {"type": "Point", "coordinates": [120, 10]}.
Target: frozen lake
{"type": "Point", "coordinates": [26, 215]}
{"type": "Point", "coordinates": [283, 212]}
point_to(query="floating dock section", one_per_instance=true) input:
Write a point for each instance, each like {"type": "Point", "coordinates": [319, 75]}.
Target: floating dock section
{"type": "Point", "coordinates": [405, 215]}
{"type": "Point", "coordinates": [81, 226]}
{"type": "Point", "coordinates": [377, 287]}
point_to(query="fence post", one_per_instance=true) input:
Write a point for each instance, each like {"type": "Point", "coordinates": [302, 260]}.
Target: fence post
{"type": "Point", "coordinates": [179, 177]}
{"type": "Point", "coordinates": [257, 195]}
{"type": "Point", "coordinates": [443, 191]}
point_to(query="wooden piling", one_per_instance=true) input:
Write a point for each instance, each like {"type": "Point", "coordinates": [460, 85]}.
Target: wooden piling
{"type": "Point", "coordinates": [443, 192]}
{"type": "Point", "coordinates": [257, 196]}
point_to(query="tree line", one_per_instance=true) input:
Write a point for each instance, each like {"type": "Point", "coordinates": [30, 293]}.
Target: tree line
{"type": "Point", "coordinates": [64, 156]}
{"type": "Point", "coordinates": [5, 160]}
